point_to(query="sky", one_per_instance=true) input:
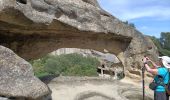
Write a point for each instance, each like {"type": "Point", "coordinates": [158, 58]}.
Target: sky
{"type": "Point", "coordinates": [151, 17]}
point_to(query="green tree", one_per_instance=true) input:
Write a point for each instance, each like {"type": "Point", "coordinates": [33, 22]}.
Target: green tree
{"type": "Point", "coordinates": [130, 24]}
{"type": "Point", "coordinates": [165, 40]}
{"type": "Point", "coordinates": [163, 44]}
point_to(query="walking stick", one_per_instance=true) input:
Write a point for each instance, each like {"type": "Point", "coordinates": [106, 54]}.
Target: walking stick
{"type": "Point", "coordinates": [143, 81]}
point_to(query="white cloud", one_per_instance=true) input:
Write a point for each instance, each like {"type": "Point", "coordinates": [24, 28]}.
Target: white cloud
{"type": "Point", "coordinates": [144, 27]}
{"type": "Point", "coordinates": [134, 9]}
{"type": "Point", "coordinates": [152, 12]}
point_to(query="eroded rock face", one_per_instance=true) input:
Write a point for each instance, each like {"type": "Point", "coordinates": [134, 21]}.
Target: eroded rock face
{"type": "Point", "coordinates": [17, 78]}
{"type": "Point", "coordinates": [33, 28]}
{"type": "Point", "coordinates": [135, 52]}
{"type": "Point", "coordinates": [42, 26]}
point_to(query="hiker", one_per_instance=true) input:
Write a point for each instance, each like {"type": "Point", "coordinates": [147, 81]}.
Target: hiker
{"type": "Point", "coordinates": [161, 76]}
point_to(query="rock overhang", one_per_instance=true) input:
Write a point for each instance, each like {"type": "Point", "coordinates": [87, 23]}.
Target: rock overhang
{"type": "Point", "coordinates": [33, 28]}
{"type": "Point", "coordinates": [80, 15]}
{"type": "Point", "coordinates": [38, 19]}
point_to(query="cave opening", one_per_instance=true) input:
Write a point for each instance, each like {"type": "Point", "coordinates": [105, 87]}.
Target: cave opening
{"type": "Point", "coordinates": [22, 1]}
{"type": "Point", "coordinates": [78, 62]}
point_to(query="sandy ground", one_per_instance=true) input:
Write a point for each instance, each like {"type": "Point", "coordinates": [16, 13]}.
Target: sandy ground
{"type": "Point", "coordinates": [93, 88]}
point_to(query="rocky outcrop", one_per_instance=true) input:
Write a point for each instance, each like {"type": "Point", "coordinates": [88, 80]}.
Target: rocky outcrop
{"type": "Point", "coordinates": [17, 79]}
{"type": "Point", "coordinates": [42, 26]}
{"type": "Point", "coordinates": [33, 28]}
{"type": "Point", "coordinates": [134, 54]}
{"type": "Point", "coordinates": [105, 57]}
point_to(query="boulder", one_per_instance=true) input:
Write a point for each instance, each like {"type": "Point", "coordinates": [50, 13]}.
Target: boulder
{"type": "Point", "coordinates": [17, 78]}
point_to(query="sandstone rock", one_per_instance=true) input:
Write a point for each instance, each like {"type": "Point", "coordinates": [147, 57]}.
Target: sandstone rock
{"type": "Point", "coordinates": [33, 28]}
{"type": "Point", "coordinates": [90, 88]}
{"type": "Point", "coordinates": [139, 47]}
{"type": "Point", "coordinates": [106, 57]}
{"type": "Point", "coordinates": [17, 78]}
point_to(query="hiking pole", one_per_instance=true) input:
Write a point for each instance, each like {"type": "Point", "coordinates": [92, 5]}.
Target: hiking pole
{"type": "Point", "coordinates": [143, 81]}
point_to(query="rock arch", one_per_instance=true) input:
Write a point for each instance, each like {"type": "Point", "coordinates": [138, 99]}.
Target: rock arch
{"type": "Point", "coordinates": [36, 27]}
{"type": "Point", "coordinates": [41, 26]}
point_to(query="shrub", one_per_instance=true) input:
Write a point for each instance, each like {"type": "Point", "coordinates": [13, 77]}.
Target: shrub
{"type": "Point", "coordinates": [66, 64]}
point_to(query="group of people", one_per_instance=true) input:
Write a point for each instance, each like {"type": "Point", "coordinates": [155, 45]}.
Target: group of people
{"type": "Point", "coordinates": [161, 73]}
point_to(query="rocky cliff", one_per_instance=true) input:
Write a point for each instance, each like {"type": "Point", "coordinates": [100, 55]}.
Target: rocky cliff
{"type": "Point", "coordinates": [88, 52]}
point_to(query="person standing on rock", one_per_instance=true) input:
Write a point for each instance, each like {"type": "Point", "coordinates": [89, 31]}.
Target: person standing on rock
{"type": "Point", "coordinates": [160, 73]}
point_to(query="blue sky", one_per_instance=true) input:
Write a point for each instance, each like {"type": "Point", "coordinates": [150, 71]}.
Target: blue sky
{"type": "Point", "coordinates": [151, 17]}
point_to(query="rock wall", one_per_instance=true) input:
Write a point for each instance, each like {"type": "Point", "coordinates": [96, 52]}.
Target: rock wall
{"type": "Point", "coordinates": [134, 54]}
{"type": "Point", "coordinates": [87, 52]}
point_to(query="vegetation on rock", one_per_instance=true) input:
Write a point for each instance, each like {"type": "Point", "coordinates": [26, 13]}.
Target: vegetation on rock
{"type": "Point", "coordinates": [66, 65]}
{"type": "Point", "coordinates": [163, 43]}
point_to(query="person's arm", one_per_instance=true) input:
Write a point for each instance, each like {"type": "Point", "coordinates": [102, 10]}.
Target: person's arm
{"type": "Point", "coordinates": [153, 63]}
{"type": "Point", "coordinates": [152, 71]}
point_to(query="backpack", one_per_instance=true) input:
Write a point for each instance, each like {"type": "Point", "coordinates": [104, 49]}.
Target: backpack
{"type": "Point", "coordinates": [160, 81]}
{"type": "Point", "coordinates": [168, 86]}
{"type": "Point", "coordinates": [154, 84]}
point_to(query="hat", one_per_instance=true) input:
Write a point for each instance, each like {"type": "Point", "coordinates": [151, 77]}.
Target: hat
{"type": "Point", "coordinates": [165, 61]}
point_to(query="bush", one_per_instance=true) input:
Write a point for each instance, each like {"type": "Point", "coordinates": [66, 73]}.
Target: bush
{"type": "Point", "coordinates": [67, 65]}
{"type": "Point", "coordinates": [38, 67]}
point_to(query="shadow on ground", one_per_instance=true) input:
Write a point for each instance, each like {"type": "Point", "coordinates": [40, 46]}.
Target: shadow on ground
{"type": "Point", "coordinates": [132, 94]}
{"type": "Point", "coordinates": [47, 79]}
{"type": "Point", "coordinates": [92, 96]}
